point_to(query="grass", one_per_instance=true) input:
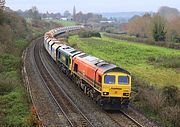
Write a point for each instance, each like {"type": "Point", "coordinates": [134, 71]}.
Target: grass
{"type": "Point", "coordinates": [134, 57]}
{"type": "Point", "coordinates": [64, 23]}
{"type": "Point", "coordinates": [14, 107]}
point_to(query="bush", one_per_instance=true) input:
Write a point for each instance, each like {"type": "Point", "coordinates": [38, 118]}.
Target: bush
{"type": "Point", "coordinates": [171, 116]}
{"type": "Point", "coordinates": [87, 34]}
{"type": "Point", "coordinates": [160, 104]}
{"type": "Point", "coordinates": [144, 40]}
{"type": "Point", "coordinates": [150, 99]}
{"type": "Point", "coordinates": [171, 94]}
{"type": "Point", "coordinates": [168, 62]}
{"type": "Point", "coordinates": [6, 86]}
{"type": "Point", "coordinates": [9, 62]}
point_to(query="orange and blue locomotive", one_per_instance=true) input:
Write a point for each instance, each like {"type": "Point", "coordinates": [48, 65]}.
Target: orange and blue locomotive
{"type": "Point", "coordinates": [108, 84]}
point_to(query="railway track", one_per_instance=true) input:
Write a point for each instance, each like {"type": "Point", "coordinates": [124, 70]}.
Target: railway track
{"type": "Point", "coordinates": [133, 120]}
{"type": "Point", "coordinates": [70, 111]}
{"type": "Point", "coordinates": [38, 94]}
{"type": "Point", "coordinates": [26, 81]}
{"type": "Point", "coordinates": [123, 119]}
{"type": "Point", "coordinates": [129, 120]}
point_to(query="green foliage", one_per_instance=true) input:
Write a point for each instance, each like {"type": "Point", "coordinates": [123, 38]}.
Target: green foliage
{"type": "Point", "coordinates": [14, 33]}
{"type": "Point", "coordinates": [168, 62]}
{"type": "Point", "coordinates": [86, 34]}
{"type": "Point", "coordinates": [9, 62]}
{"type": "Point", "coordinates": [13, 109]}
{"type": "Point", "coordinates": [159, 33]}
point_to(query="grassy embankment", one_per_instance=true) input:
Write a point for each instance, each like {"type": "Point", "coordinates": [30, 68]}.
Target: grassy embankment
{"type": "Point", "coordinates": [15, 35]}
{"type": "Point", "coordinates": [156, 65]}
{"type": "Point", "coordinates": [154, 69]}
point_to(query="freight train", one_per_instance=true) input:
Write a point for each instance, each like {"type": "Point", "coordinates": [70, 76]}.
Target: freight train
{"type": "Point", "coordinates": [106, 83]}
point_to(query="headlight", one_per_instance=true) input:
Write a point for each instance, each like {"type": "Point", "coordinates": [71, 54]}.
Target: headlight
{"type": "Point", "coordinates": [105, 93]}
{"type": "Point", "coordinates": [125, 94]}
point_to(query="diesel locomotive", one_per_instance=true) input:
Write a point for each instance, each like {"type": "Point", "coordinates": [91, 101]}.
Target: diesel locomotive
{"type": "Point", "coordinates": [106, 83]}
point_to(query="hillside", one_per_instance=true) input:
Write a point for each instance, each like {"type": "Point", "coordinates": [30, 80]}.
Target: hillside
{"type": "Point", "coordinates": [15, 35]}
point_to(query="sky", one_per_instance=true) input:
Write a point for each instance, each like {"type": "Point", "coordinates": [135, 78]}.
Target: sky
{"type": "Point", "coordinates": [97, 6]}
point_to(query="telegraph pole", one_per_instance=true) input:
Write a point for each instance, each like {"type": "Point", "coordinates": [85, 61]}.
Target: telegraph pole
{"type": "Point", "coordinates": [2, 4]}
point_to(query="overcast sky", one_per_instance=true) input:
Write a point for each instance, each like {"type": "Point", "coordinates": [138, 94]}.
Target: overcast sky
{"type": "Point", "coordinates": [92, 5]}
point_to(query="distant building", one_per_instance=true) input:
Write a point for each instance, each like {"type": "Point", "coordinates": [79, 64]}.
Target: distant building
{"type": "Point", "coordinates": [107, 21]}
{"type": "Point", "coordinates": [69, 18]}
{"type": "Point", "coordinates": [64, 19]}
{"type": "Point", "coordinates": [2, 4]}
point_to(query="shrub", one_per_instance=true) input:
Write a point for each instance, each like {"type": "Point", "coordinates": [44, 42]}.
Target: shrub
{"type": "Point", "coordinates": [9, 62]}
{"type": "Point", "coordinates": [171, 116]}
{"type": "Point", "coordinates": [150, 99]}
{"type": "Point", "coordinates": [168, 62]}
{"type": "Point", "coordinates": [171, 94]}
{"type": "Point", "coordinates": [144, 40]}
{"type": "Point", "coordinates": [87, 34]}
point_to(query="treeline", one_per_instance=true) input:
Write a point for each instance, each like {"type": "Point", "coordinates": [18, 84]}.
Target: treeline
{"type": "Point", "coordinates": [79, 17]}
{"type": "Point", "coordinates": [124, 36]}
{"type": "Point", "coordinates": [155, 27]}
{"type": "Point", "coordinates": [33, 13]}
{"type": "Point", "coordinates": [88, 18]}
{"type": "Point", "coordinates": [11, 26]}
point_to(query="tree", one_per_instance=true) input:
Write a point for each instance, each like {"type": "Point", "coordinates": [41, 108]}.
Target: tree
{"type": "Point", "coordinates": [159, 23]}
{"type": "Point", "coordinates": [33, 13]}
{"type": "Point", "coordinates": [140, 26]}
{"type": "Point", "coordinates": [173, 31]}
{"type": "Point", "coordinates": [1, 17]}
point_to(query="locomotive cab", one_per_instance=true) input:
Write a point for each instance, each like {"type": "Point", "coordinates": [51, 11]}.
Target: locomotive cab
{"type": "Point", "coordinates": [116, 84]}
{"type": "Point", "coordinates": [116, 87]}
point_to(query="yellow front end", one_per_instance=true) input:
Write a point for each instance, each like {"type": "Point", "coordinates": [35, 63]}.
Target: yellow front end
{"type": "Point", "coordinates": [116, 84]}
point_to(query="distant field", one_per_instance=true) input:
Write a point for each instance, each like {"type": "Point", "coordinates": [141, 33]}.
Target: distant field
{"type": "Point", "coordinates": [65, 23]}
{"type": "Point", "coordinates": [159, 66]}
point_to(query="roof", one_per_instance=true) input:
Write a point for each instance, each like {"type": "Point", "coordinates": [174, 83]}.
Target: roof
{"type": "Point", "coordinates": [69, 50]}
{"type": "Point", "coordinates": [112, 68]}
{"type": "Point", "coordinates": [51, 42]}
{"type": "Point", "coordinates": [55, 46]}
{"type": "Point", "coordinates": [104, 66]}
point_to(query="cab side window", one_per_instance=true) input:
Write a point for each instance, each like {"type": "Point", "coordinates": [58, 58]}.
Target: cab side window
{"type": "Point", "coordinates": [99, 79]}
{"type": "Point", "coordinates": [75, 67]}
